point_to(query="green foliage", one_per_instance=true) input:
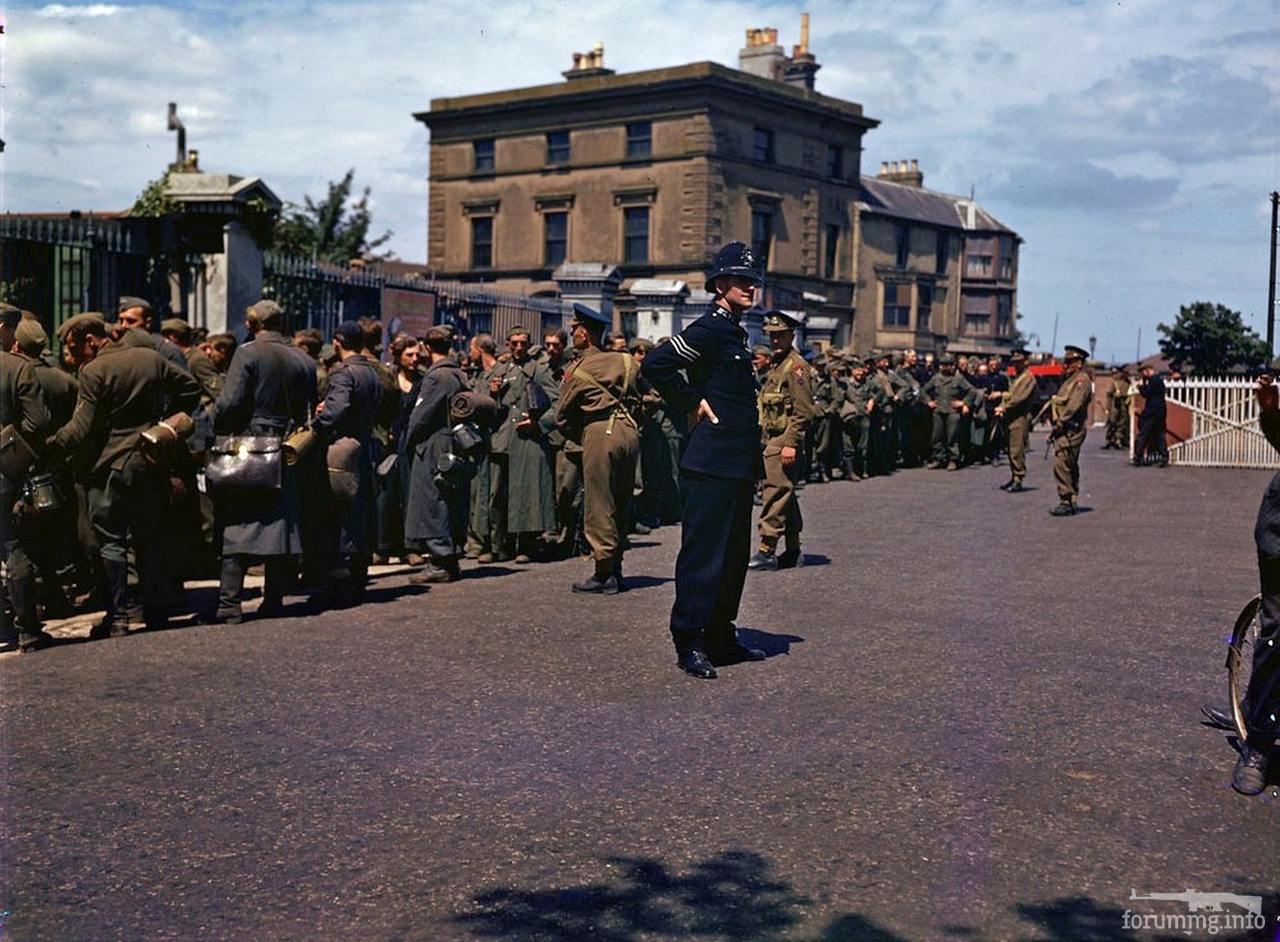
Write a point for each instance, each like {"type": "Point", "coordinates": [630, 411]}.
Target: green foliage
{"type": "Point", "coordinates": [335, 229]}
{"type": "Point", "coordinates": [1213, 338]}
{"type": "Point", "coordinates": [154, 199]}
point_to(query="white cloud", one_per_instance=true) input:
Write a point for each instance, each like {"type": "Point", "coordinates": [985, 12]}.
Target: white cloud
{"type": "Point", "coordinates": [1043, 107]}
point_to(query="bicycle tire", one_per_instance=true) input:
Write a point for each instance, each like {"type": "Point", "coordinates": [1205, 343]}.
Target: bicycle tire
{"type": "Point", "coordinates": [1244, 637]}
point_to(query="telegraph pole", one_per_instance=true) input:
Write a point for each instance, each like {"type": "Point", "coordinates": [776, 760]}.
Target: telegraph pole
{"type": "Point", "coordinates": [1271, 284]}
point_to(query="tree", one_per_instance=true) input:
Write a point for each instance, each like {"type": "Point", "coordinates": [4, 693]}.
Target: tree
{"type": "Point", "coordinates": [336, 229]}
{"type": "Point", "coordinates": [1213, 338]}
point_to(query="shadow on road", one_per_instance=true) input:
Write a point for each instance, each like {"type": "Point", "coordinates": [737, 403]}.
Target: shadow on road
{"type": "Point", "coordinates": [768, 642]}
{"type": "Point", "coordinates": [731, 896]}
{"type": "Point", "coordinates": [647, 582]}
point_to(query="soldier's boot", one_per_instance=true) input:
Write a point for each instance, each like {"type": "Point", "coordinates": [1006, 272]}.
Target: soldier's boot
{"type": "Point", "coordinates": [617, 574]}
{"type": "Point", "coordinates": [230, 591]}
{"type": "Point", "coordinates": [765, 560]}
{"type": "Point", "coordinates": [934, 465]}
{"type": "Point", "coordinates": [116, 621]}
{"type": "Point", "coordinates": [952, 465]}
{"type": "Point", "coordinates": [1008, 485]}
{"type": "Point", "coordinates": [438, 570]}
{"type": "Point", "coordinates": [1065, 508]}
{"type": "Point", "coordinates": [603, 581]}
{"type": "Point", "coordinates": [1015, 487]}
{"type": "Point", "coordinates": [1249, 777]}
{"type": "Point", "coordinates": [22, 597]}
{"type": "Point", "coordinates": [791, 558]}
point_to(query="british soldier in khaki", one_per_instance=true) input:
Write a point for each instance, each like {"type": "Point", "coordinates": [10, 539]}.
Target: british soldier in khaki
{"type": "Point", "coordinates": [598, 410]}
{"type": "Point", "coordinates": [786, 407]}
{"type": "Point", "coordinates": [1070, 413]}
{"type": "Point", "coordinates": [1015, 408]}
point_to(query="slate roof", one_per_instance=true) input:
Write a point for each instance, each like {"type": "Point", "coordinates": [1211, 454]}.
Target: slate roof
{"type": "Point", "coordinates": [921, 205]}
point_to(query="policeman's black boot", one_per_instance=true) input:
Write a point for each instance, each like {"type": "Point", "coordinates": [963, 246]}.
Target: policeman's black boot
{"type": "Point", "coordinates": [696, 664]}
{"type": "Point", "coordinates": [763, 561]}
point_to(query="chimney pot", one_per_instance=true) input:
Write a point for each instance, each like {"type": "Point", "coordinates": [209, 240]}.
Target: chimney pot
{"type": "Point", "coordinates": [915, 164]}
{"type": "Point", "coordinates": [884, 167]}
{"type": "Point", "coordinates": [804, 32]}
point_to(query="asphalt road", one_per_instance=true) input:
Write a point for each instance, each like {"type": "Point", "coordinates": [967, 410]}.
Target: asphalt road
{"type": "Point", "coordinates": [977, 722]}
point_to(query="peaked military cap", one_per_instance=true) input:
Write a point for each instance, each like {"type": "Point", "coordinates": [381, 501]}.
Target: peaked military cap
{"type": "Point", "coordinates": [947, 359]}
{"type": "Point", "coordinates": [438, 333]}
{"type": "Point", "coordinates": [737, 258]}
{"type": "Point", "coordinates": [177, 326]}
{"type": "Point", "coordinates": [127, 301]}
{"type": "Point", "coordinates": [31, 337]}
{"type": "Point", "coordinates": [589, 316]}
{"type": "Point", "coordinates": [349, 334]}
{"type": "Point", "coordinates": [640, 345]}
{"type": "Point", "coordinates": [777, 321]}
{"type": "Point", "coordinates": [79, 322]}
{"type": "Point", "coordinates": [762, 350]}
{"type": "Point", "coordinates": [1070, 351]}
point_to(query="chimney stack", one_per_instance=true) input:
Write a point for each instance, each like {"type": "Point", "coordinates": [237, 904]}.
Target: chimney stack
{"type": "Point", "coordinates": [907, 173]}
{"type": "Point", "coordinates": [763, 56]}
{"type": "Point", "coordinates": [588, 64]}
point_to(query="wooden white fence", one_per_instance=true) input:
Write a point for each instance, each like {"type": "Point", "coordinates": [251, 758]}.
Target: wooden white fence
{"type": "Point", "coordinates": [1224, 425]}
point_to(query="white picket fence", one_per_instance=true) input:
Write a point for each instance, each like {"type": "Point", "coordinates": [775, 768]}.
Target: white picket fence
{"type": "Point", "coordinates": [1224, 425]}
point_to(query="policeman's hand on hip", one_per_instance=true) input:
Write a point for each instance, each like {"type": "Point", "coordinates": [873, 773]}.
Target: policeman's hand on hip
{"type": "Point", "coordinates": [704, 410]}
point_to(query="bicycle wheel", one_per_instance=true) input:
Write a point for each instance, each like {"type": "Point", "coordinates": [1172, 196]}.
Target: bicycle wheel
{"type": "Point", "coordinates": [1244, 638]}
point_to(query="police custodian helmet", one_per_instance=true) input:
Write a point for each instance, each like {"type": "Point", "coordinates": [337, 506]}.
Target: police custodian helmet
{"type": "Point", "coordinates": [738, 259]}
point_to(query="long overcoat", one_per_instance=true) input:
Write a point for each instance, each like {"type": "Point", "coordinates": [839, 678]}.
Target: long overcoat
{"type": "Point", "coordinates": [531, 504]}
{"type": "Point", "coordinates": [434, 521]}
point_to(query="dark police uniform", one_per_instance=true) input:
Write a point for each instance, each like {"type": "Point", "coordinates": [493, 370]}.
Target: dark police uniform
{"type": "Point", "coordinates": [21, 405]}
{"type": "Point", "coordinates": [721, 464]}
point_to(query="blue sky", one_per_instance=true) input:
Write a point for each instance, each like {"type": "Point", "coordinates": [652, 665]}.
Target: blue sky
{"type": "Point", "coordinates": [1132, 144]}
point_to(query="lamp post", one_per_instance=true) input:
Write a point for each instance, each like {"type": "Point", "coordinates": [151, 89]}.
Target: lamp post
{"type": "Point", "coordinates": [1093, 343]}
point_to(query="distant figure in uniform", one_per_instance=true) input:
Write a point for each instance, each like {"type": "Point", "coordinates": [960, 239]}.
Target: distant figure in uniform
{"type": "Point", "coordinates": [137, 313]}
{"type": "Point", "coordinates": [1015, 408]}
{"type": "Point", "coordinates": [1150, 447]}
{"type": "Point", "coordinates": [1118, 397]}
{"type": "Point", "coordinates": [761, 358]}
{"type": "Point", "coordinates": [949, 396]}
{"type": "Point", "coordinates": [1070, 414]}
{"type": "Point", "coordinates": [786, 406]}
{"type": "Point", "coordinates": [706, 372]}
{"type": "Point", "coordinates": [598, 411]}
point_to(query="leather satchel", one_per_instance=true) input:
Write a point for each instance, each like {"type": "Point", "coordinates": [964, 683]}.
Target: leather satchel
{"type": "Point", "coordinates": [245, 466]}
{"type": "Point", "coordinates": [16, 456]}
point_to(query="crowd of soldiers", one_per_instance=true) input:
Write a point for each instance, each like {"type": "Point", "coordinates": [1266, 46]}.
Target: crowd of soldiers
{"type": "Point", "coordinates": [559, 446]}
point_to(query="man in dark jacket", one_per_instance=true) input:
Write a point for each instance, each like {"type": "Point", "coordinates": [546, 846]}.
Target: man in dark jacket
{"type": "Point", "coordinates": [124, 390]}
{"type": "Point", "coordinates": [344, 421]}
{"type": "Point", "coordinates": [1150, 447]}
{"type": "Point", "coordinates": [270, 389]}
{"type": "Point", "coordinates": [705, 372]}
{"type": "Point", "coordinates": [436, 511]}
{"type": "Point", "coordinates": [21, 405]}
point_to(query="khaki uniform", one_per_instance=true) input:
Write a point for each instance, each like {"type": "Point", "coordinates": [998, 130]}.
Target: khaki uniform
{"type": "Point", "coordinates": [1070, 411]}
{"type": "Point", "coordinates": [1017, 403]}
{"type": "Point", "coordinates": [945, 390]}
{"type": "Point", "coordinates": [786, 407]}
{"type": "Point", "coordinates": [598, 412]}
{"type": "Point", "coordinates": [1118, 411]}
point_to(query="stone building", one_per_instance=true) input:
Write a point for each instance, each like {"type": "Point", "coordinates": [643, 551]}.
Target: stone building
{"type": "Point", "coordinates": [619, 189]}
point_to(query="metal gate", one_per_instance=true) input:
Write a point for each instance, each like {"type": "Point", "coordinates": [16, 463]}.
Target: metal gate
{"type": "Point", "coordinates": [1214, 424]}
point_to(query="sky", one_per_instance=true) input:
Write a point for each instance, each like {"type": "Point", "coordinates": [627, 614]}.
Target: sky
{"type": "Point", "coordinates": [1131, 144]}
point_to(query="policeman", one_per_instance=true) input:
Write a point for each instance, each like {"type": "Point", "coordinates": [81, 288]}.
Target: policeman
{"type": "Point", "coordinates": [706, 372]}
{"type": "Point", "coordinates": [1015, 409]}
{"type": "Point", "coordinates": [786, 407]}
{"type": "Point", "coordinates": [124, 390]}
{"type": "Point", "coordinates": [1070, 413]}
{"type": "Point", "coordinates": [436, 508]}
{"type": "Point", "coordinates": [22, 406]}
{"type": "Point", "coordinates": [949, 396]}
{"type": "Point", "coordinates": [598, 410]}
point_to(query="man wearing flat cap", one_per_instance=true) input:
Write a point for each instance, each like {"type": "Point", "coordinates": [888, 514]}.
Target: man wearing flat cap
{"type": "Point", "coordinates": [786, 408]}
{"type": "Point", "coordinates": [1069, 410]}
{"type": "Point", "coordinates": [599, 414]}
